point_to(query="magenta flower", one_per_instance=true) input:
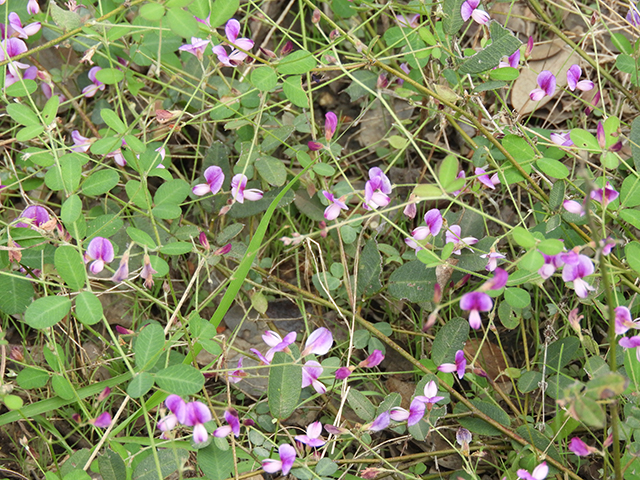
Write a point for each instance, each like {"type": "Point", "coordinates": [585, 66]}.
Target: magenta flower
{"type": "Point", "coordinates": [287, 456]}
{"type": "Point", "coordinates": [102, 421]}
{"type": "Point", "coordinates": [382, 82]}
{"type": "Point", "coordinates": [238, 374]}
{"type": "Point", "coordinates": [13, 47]}
{"type": "Point", "coordinates": [594, 103]}
{"type": "Point", "coordinates": [330, 125]}
{"type": "Point", "coordinates": [147, 271]}
{"type": "Point", "coordinates": [485, 180]}
{"type": "Point", "coordinates": [529, 48]}
{"type": "Point", "coordinates": [122, 273]}
{"type": "Point", "coordinates": [318, 343]}
{"type": "Point", "coordinates": [239, 192]}
{"type": "Point", "coordinates": [312, 438]}
{"type": "Point", "coordinates": [633, 15]}
{"type": "Point", "coordinates": [499, 280]}
{"type": "Point", "coordinates": [433, 219]}
{"type": "Point", "coordinates": [574, 207]}
{"type": "Point", "coordinates": [335, 205]}
{"type": "Point", "coordinates": [411, 210]}
{"type": "Point", "coordinates": [214, 178]}
{"type": "Point", "coordinates": [624, 322]}
{"type": "Point", "coordinates": [476, 302]}
{"type": "Point", "coordinates": [81, 144]}
{"type": "Point", "coordinates": [197, 414]}
{"type": "Point", "coordinates": [607, 245]}
{"type": "Point", "coordinates": [261, 357]}
{"type": "Point", "coordinates": [513, 61]}
{"type": "Point", "coordinates": [311, 372]}
{"type": "Point", "coordinates": [562, 139]}
{"type": "Point", "coordinates": [539, 473]}
{"type": "Point", "coordinates": [470, 10]}
{"type": "Point", "coordinates": [277, 343]}
{"type": "Point", "coordinates": [197, 47]}
{"type": "Point", "coordinates": [236, 57]}
{"type": "Point", "coordinates": [231, 416]}
{"type": "Point", "coordinates": [405, 68]}
{"type": "Point", "coordinates": [576, 273]}
{"type": "Point", "coordinates": [577, 446]}
{"type": "Point", "coordinates": [452, 235]}
{"type": "Point", "coordinates": [546, 86]}
{"type": "Point", "coordinates": [32, 7]}
{"type": "Point", "coordinates": [573, 79]}
{"type": "Point", "coordinates": [381, 422]}
{"type": "Point", "coordinates": [100, 251]}
{"type": "Point", "coordinates": [372, 360]}
{"type": "Point", "coordinates": [605, 195]}
{"type": "Point", "coordinates": [460, 175]}
{"type": "Point", "coordinates": [459, 366]}
{"type": "Point", "coordinates": [413, 416]}
{"type": "Point", "coordinates": [631, 342]}
{"type": "Point", "coordinates": [104, 394]}
{"type": "Point", "coordinates": [36, 215]}
{"type": "Point", "coordinates": [412, 21]}
{"type": "Point", "coordinates": [430, 393]}
{"type": "Point", "coordinates": [343, 372]}
{"type": "Point", "coordinates": [15, 28]}
{"type": "Point", "coordinates": [314, 146]}
{"type": "Point", "coordinates": [493, 257]}
{"type": "Point", "coordinates": [376, 189]}
{"type": "Point", "coordinates": [90, 90]}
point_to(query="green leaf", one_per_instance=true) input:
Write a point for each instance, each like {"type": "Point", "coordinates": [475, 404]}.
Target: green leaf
{"type": "Point", "coordinates": [506, 74]}
{"type": "Point", "coordinates": [412, 281]}
{"type": "Point", "coordinates": [66, 177]}
{"type": "Point", "coordinates": [180, 379]}
{"type": "Point", "coordinates": [140, 237]}
{"type": "Point", "coordinates": [140, 385]}
{"type": "Point", "coordinates": [523, 238]}
{"type": "Point", "coordinates": [110, 76]}
{"type": "Point", "coordinates": [215, 463]}
{"type": "Point", "coordinates": [47, 311]}
{"type": "Point", "coordinates": [589, 411]}
{"type": "Point", "coordinates": [13, 402]}
{"type": "Point", "coordinates": [479, 426]}
{"type": "Point", "coordinates": [88, 308]}
{"type": "Point", "coordinates": [361, 405]}
{"type": "Point", "coordinates": [452, 20]}
{"type": "Point", "coordinates": [111, 466]}
{"type": "Point", "coordinates": [631, 216]}
{"type": "Point", "coordinates": [552, 168]}
{"type": "Point", "coordinates": [296, 63]}
{"type": "Point", "coordinates": [148, 346]}
{"type": "Point", "coordinates": [28, 133]}
{"type": "Point", "coordinates": [551, 246]}
{"type": "Point", "coordinates": [168, 198]}
{"type": "Point", "coordinates": [507, 316]}
{"type": "Point", "coordinates": [531, 261]}
{"type": "Point", "coordinates": [449, 339]}
{"type": "Point", "coordinates": [584, 140]}
{"type": "Point", "coordinates": [632, 254]}
{"type": "Point", "coordinates": [561, 352]}
{"type": "Point", "coordinates": [622, 43]}
{"type": "Point", "coordinates": [137, 145]}
{"type": "Point", "coordinates": [271, 170]}
{"type": "Point", "coordinates": [627, 64]}
{"type": "Point", "coordinates": [182, 23]}
{"type": "Point", "coordinates": [152, 11]}
{"type": "Point", "coordinates": [342, 8]}
{"type": "Point", "coordinates": [50, 109]}
{"type": "Point", "coordinates": [292, 88]}
{"type": "Point", "coordinates": [274, 138]}
{"type": "Point", "coordinates": [170, 460]}
{"type": "Point", "coordinates": [529, 381]}
{"type": "Point", "coordinates": [324, 169]}
{"type": "Point", "coordinates": [100, 182]}
{"type": "Point", "coordinates": [22, 114]}
{"type": "Point", "coordinates": [62, 386]}
{"type": "Point", "coordinates": [634, 141]}
{"type": "Point", "coordinates": [16, 294]}
{"type": "Point", "coordinates": [112, 119]}
{"type": "Point", "coordinates": [30, 378]}
{"type": "Point", "coordinates": [22, 89]}
{"type": "Point", "coordinates": [326, 467]}
{"type": "Point", "coordinates": [364, 81]}
{"type": "Point", "coordinates": [285, 385]}
{"type": "Point", "coordinates": [369, 269]}
{"type": "Point", "coordinates": [503, 43]}
{"type": "Point", "coordinates": [176, 248]}
{"type": "Point", "coordinates": [105, 145]}
{"type": "Point", "coordinates": [71, 209]}
{"type": "Point", "coordinates": [222, 11]}
{"type": "Point", "coordinates": [70, 267]}
{"type": "Point", "coordinates": [448, 170]}
{"type": "Point", "coordinates": [65, 19]}
{"type": "Point", "coordinates": [517, 297]}
{"type": "Point", "coordinates": [104, 226]}
{"type": "Point", "coordinates": [264, 79]}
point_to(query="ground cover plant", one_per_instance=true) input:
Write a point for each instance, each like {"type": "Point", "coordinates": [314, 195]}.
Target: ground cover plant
{"type": "Point", "coordinates": [319, 239]}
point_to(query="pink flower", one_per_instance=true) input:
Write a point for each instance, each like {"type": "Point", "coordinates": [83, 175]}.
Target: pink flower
{"type": "Point", "coordinates": [15, 28]}
{"type": "Point", "coordinates": [412, 21]}
{"type": "Point", "coordinates": [318, 343]}
{"type": "Point", "coordinates": [430, 393]}
{"type": "Point", "coordinates": [499, 280]}
{"type": "Point", "coordinates": [238, 192]}
{"type": "Point", "coordinates": [459, 366]}
{"type": "Point", "coordinates": [197, 414]}
{"type": "Point", "coordinates": [476, 302]}
{"type": "Point", "coordinates": [573, 79]}
{"type": "Point", "coordinates": [513, 61]}
{"type": "Point", "coordinates": [631, 342]}
{"type": "Point", "coordinates": [562, 139]}
{"type": "Point", "coordinates": [413, 416]}
{"type": "Point", "coordinates": [376, 189]}
{"type": "Point", "coordinates": [529, 49]}
{"type": "Point", "coordinates": [197, 47]}
{"type": "Point", "coordinates": [104, 394]}
{"type": "Point", "coordinates": [314, 146]}
{"type": "Point", "coordinates": [102, 421]}
{"type": "Point", "coordinates": [312, 438]}
{"type": "Point", "coordinates": [576, 273]}
{"type": "Point", "coordinates": [452, 235]}
{"type": "Point", "coordinates": [277, 343]}
{"type": "Point", "coordinates": [238, 374]}
{"type": "Point", "coordinates": [546, 86]}
{"type": "Point", "coordinates": [485, 180]}
{"type": "Point", "coordinates": [330, 125]}
{"type": "Point", "coordinates": [81, 144]}
{"type": "Point", "coordinates": [470, 10]}
{"type": "Point", "coordinates": [605, 195]}
{"type": "Point", "coordinates": [311, 372]}
{"type": "Point", "coordinates": [100, 251]}
{"type": "Point", "coordinates": [577, 446]}
{"type": "Point", "coordinates": [287, 456]}
{"type": "Point", "coordinates": [32, 7]}
{"type": "Point", "coordinates": [344, 372]}
{"type": "Point", "coordinates": [372, 360]}
{"type": "Point", "coordinates": [433, 219]}
{"type": "Point", "coordinates": [90, 90]}
{"type": "Point", "coordinates": [236, 57]}
{"type": "Point", "coordinates": [623, 321]}
{"type": "Point", "coordinates": [539, 473]}
{"type": "Point", "coordinates": [214, 178]}
{"type": "Point", "coordinates": [410, 210]}
{"type": "Point", "coordinates": [13, 47]}
{"type": "Point", "coordinates": [36, 215]}
{"type": "Point", "coordinates": [594, 103]}
{"type": "Point", "coordinates": [335, 205]}
{"type": "Point", "coordinates": [381, 422]}
{"type": "Point", "coordinates": [231, 416]}
{"type": "Point", "coordinates": [493, 257]}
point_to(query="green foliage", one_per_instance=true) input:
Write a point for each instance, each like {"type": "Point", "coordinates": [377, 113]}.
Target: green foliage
{"type": "Point", "coordinates": [285, 385]}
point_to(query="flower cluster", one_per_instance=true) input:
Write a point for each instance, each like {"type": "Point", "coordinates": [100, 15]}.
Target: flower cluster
{"type": "Point", "coordinates": [193, 414]}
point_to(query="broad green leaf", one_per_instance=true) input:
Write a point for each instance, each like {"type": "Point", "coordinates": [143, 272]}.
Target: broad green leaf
{"type": "Point", "coordinates": [369, 269]}
{"type": "Point", "coordinates": [529, 381]}
{"type": "Point", "coordinates": [324, 169]}
{"type": "Point", "coordinates": [523, 237]}
{"type": "Point", "coordinates": [100, 182]}
{"type": "Point", "coordinates": [110, 76]}
{"type": "Point", "coordinates": [71, 209]}
{"type": "Point", "coordinates": [622, 43]}
{"type": "Point", "coordinates": [296, 63]}
{"type": "Point", "coordinates": [627, 64]}
{"type": "Point", "coordinates": [140, 385]}
{"type": "Point", "coordinates": [361, 405]}
{"type": "Point", "coordinates": [62, 386]}
{"type": "Point", "coordinates": [112, 466]}
{"type": "Point", "coordinates": [215, 463]}
{"type": "Point", "coordinates": [170, 460]}
{"type": "Point", "coordinates": [104, 226]}
{"type": "Point", "coordinates": [452, 20]}
{"type": "Point", "coordinates": [292, 88]}
{"type": "Point", "coordinates": [13, 402]}
{"type": "Point", "coordinates": [22, 89]}
{"type": "Point", "coordinates": [112, 119]}
{"type": "Point", "coordinates": [222, 11]}
{"type": "Point", "coordinates": [326, 467]}
{"type": "Point", "coordinates": [449, 339]}
{"type": "Point", "coordinates": [136, 193]}
{"type": "Point", "coordinates": [105, 145]}
{"type": "Point", "coordinates": [503, 43]}
{"type": "Point", "coordinates": [427, 191]}
{"type": "Point", "coordinates": [518, 147]}
{"type": "Point", "coordinates": [50, 109]}
{"type": "Point", "coordinates": [631, 216]}
{"type": "Point", "coordinates": [584, 140]}
{"type": "Point", "coordinates": [29, 133]}
{"type": "Point", "coordinates": [561, 352]}
{"type": "Point", "coordinates": [553, 168]}
{"type": "Point", "coordinates": [588, 411]}
{"type": "Point", "coordinates": [285, 385]}
{"type": "Point", "coordinates": [630, 192]}
{"type": "Point", "coordinates": [517, 297]}
{"type": "Point", "coordinates": [448, 170]}
{"type": "Point", "coordinates": [67, 176]}
{"type": "Point", "coordinates": [506, 74]}
{"type": "Point", "coordinates": [137, 145]}
{"type": "Point", "coordinates": [632, 253]}
{"type": "Point", "coordinates": [479, 426]}
{"type": "Point", "coordinates": [70, 267]}
{"type": "Point", "coordinates": [508, 316]}
{"type": "Point", "coordinates": [149, 344]}
{"type": "Point", "coordinates": [152, 11]}
{"type": "Point", "coordinates": [363, 82]}
{"type": "Point", "coordinates": [30, 378]}
{"type": "Point", "coordinates": [47, 311]}
{"type": "Point", "coordinates": [176, 248]}
{"type": "Point", "coordinates": [182, 22]}
{"type": "Point", "coordinates": [412, 281]}
{"type": "Point", "coordinates": [274, 138]}
{"type": "Point", "coordinates": [22, 114]}
{"type": "Point", "coordinates": [88, 308]}
{"type": "Point", "coordinates": [264, 79]}
{"type": "Point", "coordinates": [551, 246]}
{"type": "Point", "coordinates": [271, 170]}
{"type": "Point", "coordinates": [66, 19]}
{"type": "Point", "coordinates": [168, 198]}
{"type": "Point", "coordinates": [180, 379]}
{"type": "Point", "coordinates": [140, 237]}
{"type": "Point", "coordinates": [634, 141]}
{"type": "Point", "coordinates": [16, 294]}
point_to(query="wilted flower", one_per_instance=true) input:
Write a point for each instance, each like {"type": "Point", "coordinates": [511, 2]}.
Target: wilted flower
{"type": "Point", "coordinates": [231, 416]}
{"type": "Point", "coordinates": [573, 79]}
{"type": "Point", "coordinates": [238, 374]}
{"type": "Point", "coordinates": [335, 205]}
{"type": "Point", "coordinates": [287, 456]}
{"type": "Point", "coordinates": [102, 421]}
{"type": "Point", "coordinates": [529, 49]}
{"type": "Point", "coordinates": [576, 273]}
{"type": "Point", "coordinates": [122, 272]}
{"type": "Point", "coordinates": [236, 57]}
{"type": "Point", "coordinates": [452, 235]}
{"type": "Point", "coordinates": [459, 366]}
{"type": "Point", "coordinates": [147, 271]}
{"type": "Point", "coordinates": [214, 178]}
{"type": "Point", "coordinates": [577, 446]}
{"type": "Point", "coordinates": [223, 250]}
{"type": "Point", "coordinates": [100, 250]}
{"type": "Point", "coordinates": [410, 210]}
{"type": "Point", "coordinates": [476, 302]}
{"type": "Point", "coordinates": [546, 86]}
{"type": "Point", "coordinates": [318, 343]}
{"type": "Point", "coordinates": [314, 146]}
{"type": "Point", "coordinates": [377, 189]}
{"type": "Point", "coordinates": [463, 438]}
{"type": "Point", "coordinates": [594, 103]}
{"type": "Point", "coordinates": [539, 473]}
{"type": "Point", "coordinates": [312, 438]}
{"type": "Point", "coordinates": [413, 416]}
{"type": "Point", "coordinates": [90, 90]}
{"type": "Point", "coordinates": [239, 192]}
{"type": "Point", "coordinates": [104, 394]}
{"type": "Point", "coordinates": [372, 360]}
{"type": "Point", "coordinates": [574, 320]}
{"type": "Point", "coordinates": [311, 372]}
{"type": "Point", "coordinates": [383, 81]}
{"type": "Point", "coordinates": [470, 10]}
{"type": "Point", "coordinates": [623, 321]}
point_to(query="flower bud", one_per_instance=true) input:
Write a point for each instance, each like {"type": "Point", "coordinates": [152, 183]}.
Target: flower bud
{"type": "Point", "coordinates": [16, 354]}
{"type": "Point", "coordinates": [104, 394]}
{"type": "Point", "coordinates": [317, 14]}
{"type": "Point", "coordinates": [287, 48]}
{"type": "Point", "coordinates": [203, 240]}
{"type": "Point", "coordinates": [223, 250]}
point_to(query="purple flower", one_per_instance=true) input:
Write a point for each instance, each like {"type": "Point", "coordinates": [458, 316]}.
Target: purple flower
{"type": "Point", "coordinates": [529, 49]}
{"type": "Point", "coordinates": [459, 366]}
{"type": "Point", "coordinates": [463, 437]}
{"type": "Point", "coordinates": [452, 235]}
{"type": "Point", "coordinates": [470, 10]}
{"type": "Point", "coordinates": [410, 210]}
{"type": "Point", "coordinates": [574, 207]}
{"type": "Point", "coordinates": [214, 177]}
{"type": "Point", "coordinates": [122, 272]}
{"type": "Point", "coordinates": [311, 371]}
{"type": "Point", "coordinates": [411, 22]}
{"type": "Point", "coordinates": [546, 86]}
{"type": "Point", "coordinates": [231, 416]}
{"type": "Point", "coordinates": [633, 15]}
{"type": "Point", "coordinates": [577, 446]}
{"type": "Point", "coordinates": [330, 125]}
{"type": "Point", "coordinates": [197, 47]}
{"type": "Point", "coordinates": [102, 421]}
{"type": "Point", "coordinates": [238, 192]}
{"type": "Point", "coordinates": [376, 189]}
{"type": "Point", "coordinates": [15, 28]}
{"type": "Point", "coordinates": [236, 57]}
{"type": "Point", "coordinates": [607, 245]}
{"type": "Point", "coordinates": [81, 144]}
{"type": "Point", "coordinates": [600, 136]}
{"type": "Point", "coordinates": [382, 82]}
{"type": "Point", "coordinates": [539, 473]}
{"type": "Point", "coordinates": [623, 321]}
{"type": "Point", "coordinates": [37, 215]}
{"type": "Point", "coordinates": [430, 393]}
{"type": "Point", "coordinates": [90, 90]}
{"type": "Point", "coordinates": [485, 180]}
{"type": "Point", "coordinates": [32, 7]}
{"type": "Point", "coordinates": [381, 422]}
{"type": "Point", "coordinates": [594, 103]}
{"type": "Point", "coordinates": [335, 205]}
{"type": "Point", "coordinates": [197, 414]}
{"type": "Point", "coordinates": [314, 146]}
{"type": "Point", "coordinates": [318, 343]}
{"type": "Point", "coordinates": [147, 271]}
{"type": "Point", "coordinates": [476, 302]}
{"type": "Point", "coordinates": [631, 342]}
{"type": "Point", "coordinates": [287, 456]}
{"type": "Point", "coordinates": [433, 219]}
{"type": "Point", "coordinates": [104, 394]}
{"type": "Point", "coordinates": [100, 251]}
{"type": "Point", "coordinates": [513, 61]}
{"type": "Point", "coordinates": [405, 68]}
{"type": "Point", "coordinates": [312, 438]}
{"type": "Point", "coordinates": [13, 47]}
{"type": "Point", "coordinates": [576, 273]}
{"type": "Point", "coordinates": [277, 343]}
{"type": "Point", "coordinates": [604, 195]}
{"type": "Point", "coordinates": [413, 416]}
{"type": "Point", "coordinates": [238, 374]}
{"type": "Point", "coordinates": [343, 372]}
{"type": "Point", "coordinates": [573, 79]}
{"type": "Point", "coordinates": [562, 139]}
{"type": "Point", "coordinates": [499, 280]}
{"type": "Point", "coordinates": [372, 360]}
{"type": "Point", "coordinates": [261, 357]}
{"type": "Point", "coordinates": [493, 257]}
